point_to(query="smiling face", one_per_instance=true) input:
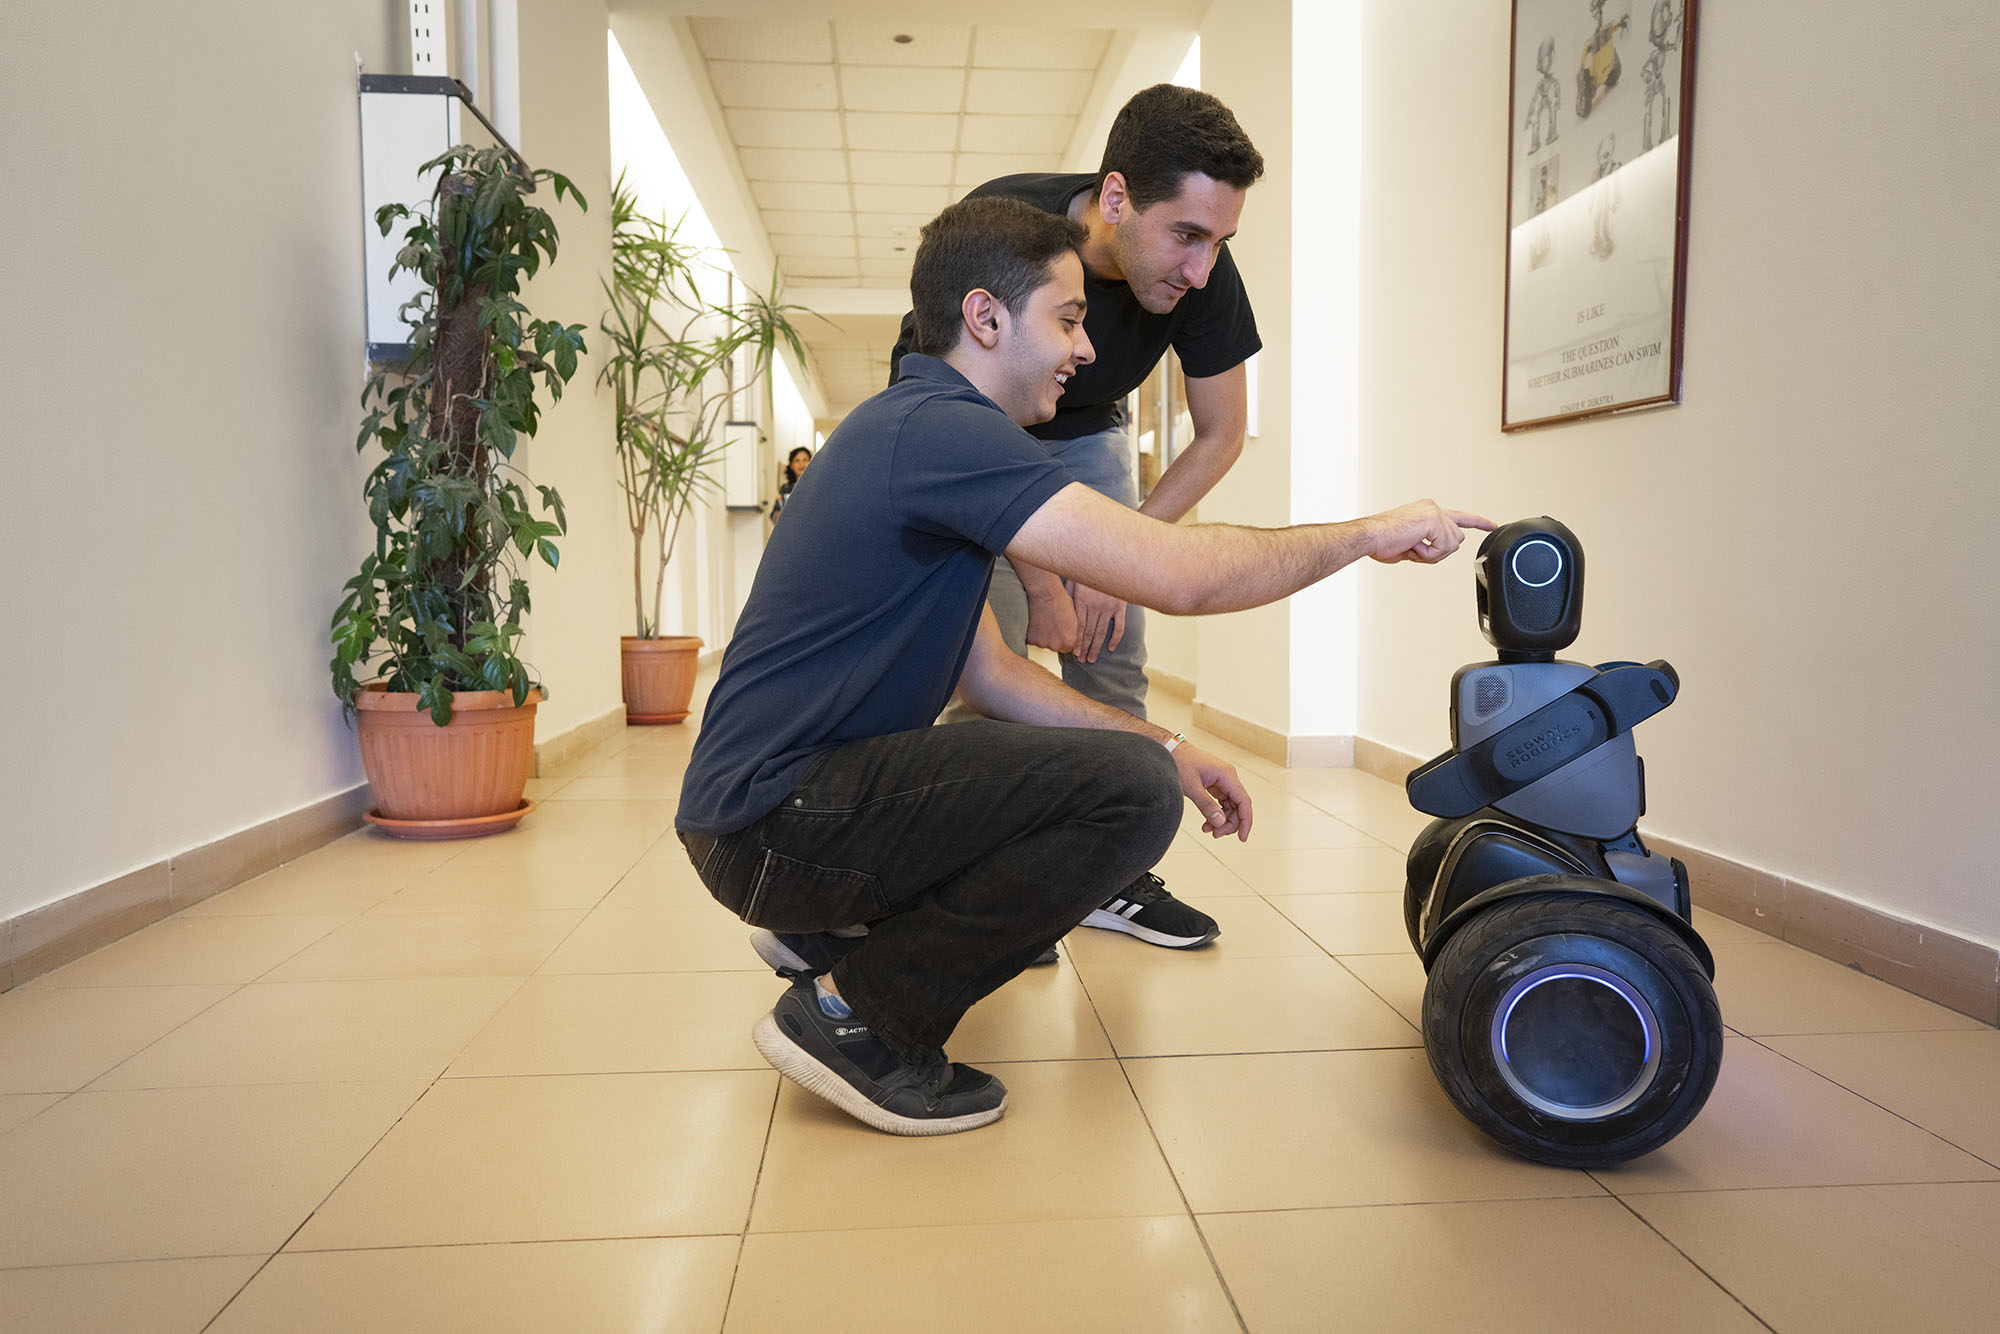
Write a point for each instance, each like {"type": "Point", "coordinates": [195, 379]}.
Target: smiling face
{"type": "Point", "coordinates": [1043, 345]}
{"type": "Point", "coordinates": [1170, 247]}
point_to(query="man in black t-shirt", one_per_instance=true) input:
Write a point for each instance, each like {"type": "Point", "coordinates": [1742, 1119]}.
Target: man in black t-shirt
{"type": "Point", "coordinates": [897, 872]}
{"type": "Point", "coordinates": [1165, 199]}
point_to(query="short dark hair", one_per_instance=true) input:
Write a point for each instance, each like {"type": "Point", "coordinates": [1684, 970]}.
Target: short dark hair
{"type": "Point", "coordinates": [1002, 245]}
{"type": "Point", "coordinates": [1167, 131]}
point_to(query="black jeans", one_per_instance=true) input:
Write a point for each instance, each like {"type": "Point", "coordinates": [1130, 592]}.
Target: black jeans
{"type": "Point", "coordinates": [967, 850]}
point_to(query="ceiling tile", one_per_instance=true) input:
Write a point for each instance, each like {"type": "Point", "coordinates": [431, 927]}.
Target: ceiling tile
{"type": "Point", "coordinates": [761, 84]}
{"type": "Point", "coordinates": [892, 225]}
{"type": "Point", "coordinates": [795, 223]}
{"type": "Point", "coordinates": [901, 132]}
{"type": "Point", "coordinates": [978, 168]}
{"type": "Point", "coordinates": [794, 247]}
{"type": "Point", "coordinates": [1016, 134]}
{"type": "Point", "coordinates": [1007, 47]}
{"type": "Point", "coordinates": [758, 39]}
{"type": "Point", "coordinates": [794, 164]}
{"type": "Point", "coordinates": [901, 249]}
{"type": "Point", "coordinates": [784, 129]}
{"type": "Point", "coordinates": [901, 168]}
{"type": "Point", "coordinates": [925, 199]}
{"type": "Point", "coordinates": [802, 197]}
{"type": "Point", "coordinates": [861, 43]}
{"type": "Point", "coordinates": [1054, 92]}
{"type": "Point", "coordinates": [879, 88]}
{"type": "Point", "coordinates": [816, 267]}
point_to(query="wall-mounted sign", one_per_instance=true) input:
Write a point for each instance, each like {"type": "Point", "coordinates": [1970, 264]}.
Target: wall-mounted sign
{"type": "Point", "coordinates": [1602, 107]}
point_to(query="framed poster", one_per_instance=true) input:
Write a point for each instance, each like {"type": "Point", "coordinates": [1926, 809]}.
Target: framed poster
{"type": "Point", "coordinates": [1601, 107]}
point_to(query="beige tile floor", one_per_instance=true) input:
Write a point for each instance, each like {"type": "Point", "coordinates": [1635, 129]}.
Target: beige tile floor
{"type": "Point", "coordinates": [508, 1085]}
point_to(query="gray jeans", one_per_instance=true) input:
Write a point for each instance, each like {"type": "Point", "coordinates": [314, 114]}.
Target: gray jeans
{"type": "Point", "coordinates": [1102, 462]}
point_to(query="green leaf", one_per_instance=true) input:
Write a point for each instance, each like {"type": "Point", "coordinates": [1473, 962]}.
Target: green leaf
{"type": "Point", "coordinates": [548, 552]}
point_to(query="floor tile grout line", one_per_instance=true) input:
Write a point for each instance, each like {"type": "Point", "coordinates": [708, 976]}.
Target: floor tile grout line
{"type": "Point", "coordinates": [1692, 1262]}
{"type": "Point", "coordinates": [313, 1212]}
{"type": "Point", "coordinates": [1917, 1125]}
{"type": "Point", "coordinates": [750, 1209]}
{"type": "Point", "coordinates": [1215, 1265]}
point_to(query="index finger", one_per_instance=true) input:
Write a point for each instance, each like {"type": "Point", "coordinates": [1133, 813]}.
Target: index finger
{"type": "Point", "coordinates": [1465, 520]}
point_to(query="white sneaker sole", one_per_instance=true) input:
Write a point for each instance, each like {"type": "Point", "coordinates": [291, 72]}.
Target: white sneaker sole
{"type": "Point", "coordinates": [796, 1064]}
{"type": "Point", "coordinates": [774, 952]}
{"type": "Point", "coordinates": [1111, 921]}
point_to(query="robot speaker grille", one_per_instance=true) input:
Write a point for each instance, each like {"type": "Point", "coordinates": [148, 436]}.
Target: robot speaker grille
{"type": "Point", "coordinates": [1490, 694]}
{"type": "Point", "coordinates": [1536, 610]}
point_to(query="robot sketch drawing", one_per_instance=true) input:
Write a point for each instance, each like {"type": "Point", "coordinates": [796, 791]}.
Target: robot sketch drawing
{"type": "Point", "coordinates": [1665, 35]}
{"type": "Point", "coordinates": [1547, 101]}
{"type": "Point", "coordinates": [1598, 73]}
{"type": "Point", "coordinates": [1604, 194]}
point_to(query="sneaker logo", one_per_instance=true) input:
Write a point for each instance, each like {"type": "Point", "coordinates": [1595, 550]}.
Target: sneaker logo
{"type": "Point", "coordinates": [850, 1032]}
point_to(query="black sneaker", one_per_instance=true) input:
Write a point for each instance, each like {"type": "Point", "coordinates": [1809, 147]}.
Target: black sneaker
{"type": "Point", "coordinates": [1145, 909]}
{"type": "Point", "coordinates": [801, 954]}
{"type": "Point", "coordinates": [1047, 956]}
{"type": "Point", "coordinates": [841, 1061]}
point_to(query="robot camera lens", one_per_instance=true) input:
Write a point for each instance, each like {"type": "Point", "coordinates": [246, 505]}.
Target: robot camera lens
{"type": "Point", "coordinates": [1537, 563]}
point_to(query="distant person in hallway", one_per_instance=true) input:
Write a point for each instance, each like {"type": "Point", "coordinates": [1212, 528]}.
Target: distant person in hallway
{"type": "Point", "coordinates": [795, 468]}
{"type": "Point", "coordinates": [897, 872]}
{"type": "Point", "coordinates": [1157, 213]}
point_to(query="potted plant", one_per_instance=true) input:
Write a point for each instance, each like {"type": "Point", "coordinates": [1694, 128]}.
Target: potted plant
{"type": "Point", "coordinates": [672, 365]}
{"type": "Point", "coordinates": [447, 729]}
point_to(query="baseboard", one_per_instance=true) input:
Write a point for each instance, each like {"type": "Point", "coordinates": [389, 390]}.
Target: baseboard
{"type": "Point", "coordinates": [1256, 738]}
{"type": "Point", "coordinates": [1169, 684]}
{"type": "Point", "coordinates": [1385, 762]}
{"type": "Point", "coordinates": [1957, 973]}
{"type": "Point", "coordinates": [586, 735]}
{"type": "Point", "coordinates": [46, 938]}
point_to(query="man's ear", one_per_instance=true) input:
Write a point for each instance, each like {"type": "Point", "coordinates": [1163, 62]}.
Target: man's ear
{"type": "Point", "coordinates": [982, 315]}
{"type": "Point", "coordinates": [1114, 203]}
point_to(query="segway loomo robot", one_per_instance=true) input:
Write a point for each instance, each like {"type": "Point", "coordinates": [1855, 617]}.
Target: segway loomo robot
{"type": "Point", "coordinates": [1569, 1011]}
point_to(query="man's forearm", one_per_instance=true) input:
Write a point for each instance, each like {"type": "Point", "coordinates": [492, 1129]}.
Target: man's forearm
{"type": "Point", "coordinates": [1038, 582]}
{"type": "Point", "coordinates": [1193, 475]}
{"type": "Point", "coordinates": [1190, 570]}
{"type": "Point", "coordinates": [1014, 690]}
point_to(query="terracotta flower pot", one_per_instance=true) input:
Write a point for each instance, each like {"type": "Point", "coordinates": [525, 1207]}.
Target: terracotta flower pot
{"type": "Point", "coordinates": [456, 781]}
{"type": "Point", "coordinates": [658, 676]}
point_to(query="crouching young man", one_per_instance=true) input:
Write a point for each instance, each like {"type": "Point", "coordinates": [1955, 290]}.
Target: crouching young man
{"type": "Point", "coordinates": [899, 872]}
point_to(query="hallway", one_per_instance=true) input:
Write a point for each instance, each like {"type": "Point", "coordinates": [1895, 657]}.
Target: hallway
{"type": "Point", "coordinates": [508, 1084]}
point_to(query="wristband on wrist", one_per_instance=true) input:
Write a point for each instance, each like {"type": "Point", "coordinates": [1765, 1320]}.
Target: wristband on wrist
{"type": "Point", "coordinates": [1176, 740]}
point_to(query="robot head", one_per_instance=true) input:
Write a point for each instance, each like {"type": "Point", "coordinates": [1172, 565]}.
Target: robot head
{"type": "Point", "coordinates": [1546, 56]}
{"type": "Point", "coordinates": [1606, 149]}
{"type": "Point", "coordinates": [1529, 581]}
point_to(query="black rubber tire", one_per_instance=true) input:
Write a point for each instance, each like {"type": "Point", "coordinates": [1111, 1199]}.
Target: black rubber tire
{"type": "Point", "coordinates": [1588, 944]}
{"type": "Point", "coordinates": [1586, 89]}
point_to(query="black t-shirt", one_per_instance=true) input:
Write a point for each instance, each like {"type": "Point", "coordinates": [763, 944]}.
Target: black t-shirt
{"type": "Point", "coordinates": [865, 605]}
{"type": "Point", "coordinates": [1212, 327]}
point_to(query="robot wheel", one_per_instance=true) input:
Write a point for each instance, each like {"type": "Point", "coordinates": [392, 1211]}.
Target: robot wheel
{"type": "Point", "coordinates": [1574, 1029]}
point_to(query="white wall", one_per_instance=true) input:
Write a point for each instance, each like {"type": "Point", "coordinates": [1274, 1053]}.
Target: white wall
{"type": "Point", "coordinates": [581, 608]}
{"type": "Point", "coordinates": [184, 287]}
{"type": "Point", "coordinates": [1803, 536]}
{"type": "Point", "coordinates": [1244, 658]}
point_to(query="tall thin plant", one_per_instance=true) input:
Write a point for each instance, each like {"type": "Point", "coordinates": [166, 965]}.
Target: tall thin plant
{"type": "Point", "coordinates": [672, 367]}
{"type": "Point", "coordinates": [437, 605]}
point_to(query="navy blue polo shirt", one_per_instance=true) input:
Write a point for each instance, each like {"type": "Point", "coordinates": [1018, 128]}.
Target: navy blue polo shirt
{"type": "Point", "coordinates": [865, 605]}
